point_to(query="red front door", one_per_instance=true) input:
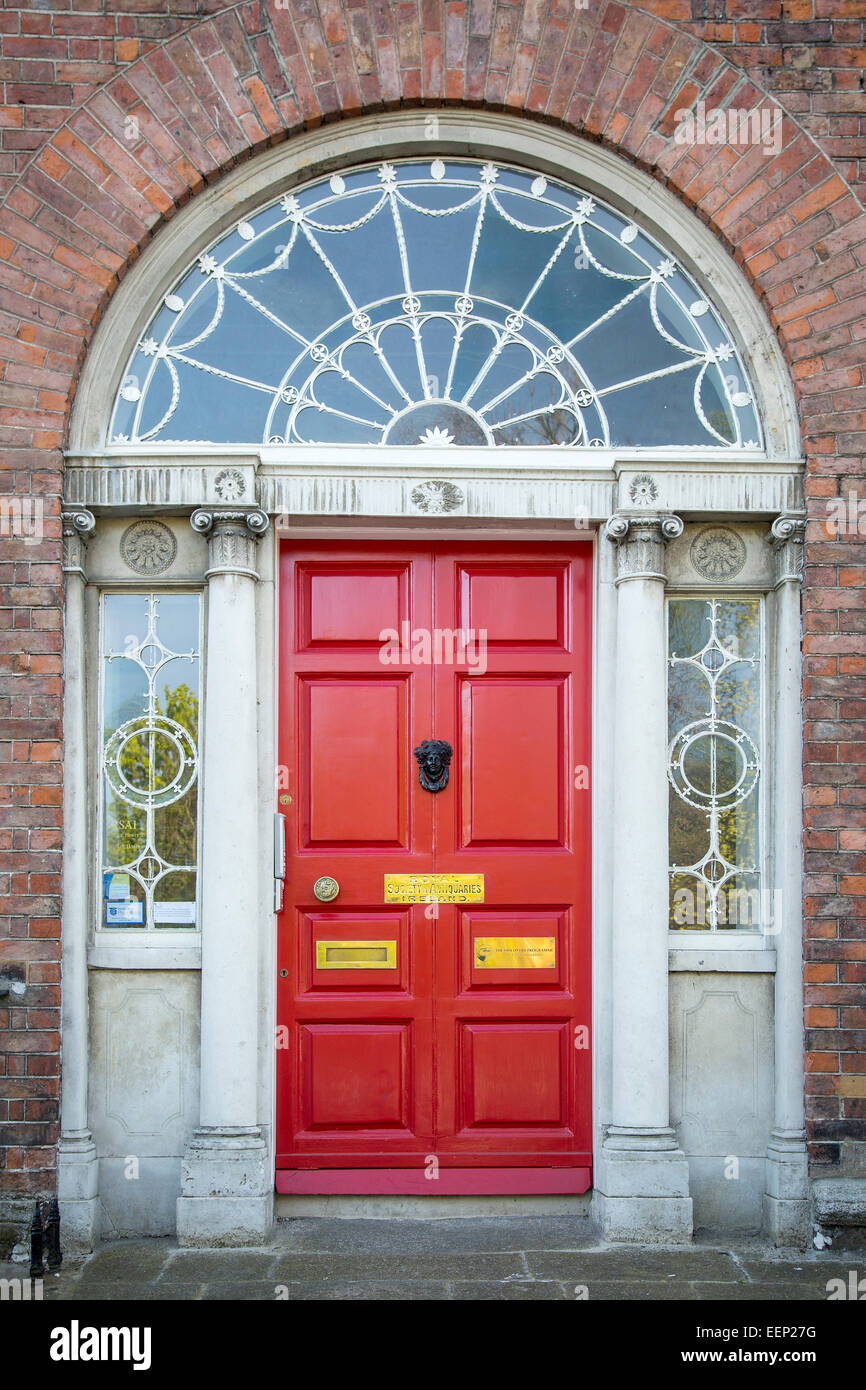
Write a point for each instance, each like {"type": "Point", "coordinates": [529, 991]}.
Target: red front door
{"type": "Point", "coordinates": [435, 1041]}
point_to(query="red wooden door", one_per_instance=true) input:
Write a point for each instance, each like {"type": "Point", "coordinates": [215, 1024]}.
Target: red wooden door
{"type": "Point", "coordinates": [437, 1041]}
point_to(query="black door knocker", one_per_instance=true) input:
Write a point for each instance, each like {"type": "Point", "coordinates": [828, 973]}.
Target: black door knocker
{"type": "Point", "coordinates": [433, 755]}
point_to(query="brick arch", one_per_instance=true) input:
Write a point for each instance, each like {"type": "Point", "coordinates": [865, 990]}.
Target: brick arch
{"type": "Point", "coordinates": [253, 75]}
{"type": "Point", "coordinates": [250, 75]}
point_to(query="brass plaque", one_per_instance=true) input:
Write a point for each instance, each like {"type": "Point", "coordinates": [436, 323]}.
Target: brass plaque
{"type": "Point", "coordinates": [428, 888]}
{"type": "Point", "coordinates": [515, 952]}
{"type": "Point", "coordinates": [356, 955]}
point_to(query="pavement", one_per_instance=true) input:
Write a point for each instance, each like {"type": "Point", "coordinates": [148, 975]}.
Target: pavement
{"type": "Point", "coordinates": [446, 1259]}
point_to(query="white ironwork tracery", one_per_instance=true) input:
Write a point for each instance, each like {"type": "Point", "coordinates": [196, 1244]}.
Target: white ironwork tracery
{"type": "Point", "coordinates": [713, 872]}
{"type": "Point", "coordinates": [435, 362]}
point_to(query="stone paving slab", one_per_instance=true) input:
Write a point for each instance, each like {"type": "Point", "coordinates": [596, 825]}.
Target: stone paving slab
{"type": "Point", "coordinates": [776, 1292]}
{"type": "Point", "coordinates": [455, 1235]}
{"type": "Point", "coordinates": [460, 1259]}
{"type": "Point", "coordinates": [415, 1290]}
{"type": "Point", "coordinates": [636, 1264]}
{"type": "Point", "coordinates": [308, 1266]}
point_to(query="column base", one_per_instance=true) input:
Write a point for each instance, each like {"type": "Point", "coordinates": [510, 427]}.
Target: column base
{"type": "Point", "coordinates": [642, 1187]}
{"type": "Point", "coordinates": [78, 1192]}
{"type": "Point", "coordinates": [787, 1199]}
{"type": "Point", "coordinates": [227, 1190]}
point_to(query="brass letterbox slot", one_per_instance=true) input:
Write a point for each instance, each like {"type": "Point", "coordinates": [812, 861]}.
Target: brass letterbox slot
{"type": "Point", "coordinates": [356, 955]}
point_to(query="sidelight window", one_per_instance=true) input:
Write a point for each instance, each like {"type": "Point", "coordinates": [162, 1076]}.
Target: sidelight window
{"type": "Point", "coordinates": [151, 652]}
{"type": "Point", "coordinates": [715, 648]}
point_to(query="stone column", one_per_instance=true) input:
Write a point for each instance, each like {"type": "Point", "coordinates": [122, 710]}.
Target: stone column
{"type": "Point", "coordinates": [77, 1164]}
{"type": "Point", "coordinates": [786, 1201]}
{"type": "Point", "coordinates": [642, 1179]}
{"type": "Point", "coordinates": [226, 1182]}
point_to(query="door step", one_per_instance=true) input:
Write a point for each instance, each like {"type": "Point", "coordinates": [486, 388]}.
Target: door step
{"type": "Point", "coordinates": [390, 1208]}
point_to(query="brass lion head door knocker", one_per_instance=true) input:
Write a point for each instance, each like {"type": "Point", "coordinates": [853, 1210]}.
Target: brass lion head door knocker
{"type": "Point", "coordinates": [434, 756]}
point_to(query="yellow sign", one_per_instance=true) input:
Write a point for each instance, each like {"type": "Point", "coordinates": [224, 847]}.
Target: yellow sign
{"type": "Point", "coordinates": [356, 955]}
{"type": "Point", "coordinates": [515, 952]}
{"type": "Point", "coordinates": [439, 888]}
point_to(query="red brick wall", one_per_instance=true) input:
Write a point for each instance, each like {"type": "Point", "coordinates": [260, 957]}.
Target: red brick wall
{"type": "Point", "coordinates": [112, 116]}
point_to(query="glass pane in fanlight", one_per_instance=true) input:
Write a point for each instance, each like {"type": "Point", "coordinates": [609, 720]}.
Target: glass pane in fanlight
{"type": "Point", "coordinates": [316, 426]}
{"type": "Point", "coordinates": [716, 406]}
{"type": "Point", "coordinates": [553, 427]}
{"type": "Point", "coordinates": [627, 345]}
{"type": "Point", "coordinates": [675, 319]}
{"type": "Point", "coordinates": [262, 349]}
{"type": "Point", "coordinates": [158, 405]}
{"type": "Point", "coordinates": [304, 293]}
{"type": "Point", "coordinates": [438, 250]}
{"type": "Point", "coordinates": [506, 382]}
{"type": "Point", "coordinates": [509, 262]}
{"type": "Point", "coordinates": [652, 414]}
{"type": "Point", "coordinates": [212, 405]}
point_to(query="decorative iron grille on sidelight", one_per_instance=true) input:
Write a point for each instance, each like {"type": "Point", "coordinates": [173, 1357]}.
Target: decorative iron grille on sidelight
{"type": "Point", "coordinates": [150, 717]}
{"type": "Point", "coordinates": [437, 303]}
{"type": "Point", "coordinates": [714, 713]}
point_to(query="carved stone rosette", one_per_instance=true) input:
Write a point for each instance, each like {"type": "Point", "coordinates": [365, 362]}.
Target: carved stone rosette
{"type": "Point", "coordinates": [232, 537]}
{"type": "Point", "coordinates": [640, 542]}
{"type": "Point", "coordinates": [78, 527]}
{"type": "Point", "coordinates": [787, 534]}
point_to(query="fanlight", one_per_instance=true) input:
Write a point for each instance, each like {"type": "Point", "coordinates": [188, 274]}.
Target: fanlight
{"type": "Point", "coordinates": [437, 304]}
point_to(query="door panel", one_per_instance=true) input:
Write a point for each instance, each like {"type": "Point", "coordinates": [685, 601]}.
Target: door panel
{"type": "Point", "coordinates": [355, 1072]}
{"type": "Point", "coordinates": [513, 748]}
{"type": "Point", "coordinates": [447, 1030]}
{"type": "Point", "coordinates": [354, 726]}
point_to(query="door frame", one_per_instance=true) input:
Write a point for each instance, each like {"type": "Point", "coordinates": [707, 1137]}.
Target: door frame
{"type": "Point", "coordinates": [475, 1180]}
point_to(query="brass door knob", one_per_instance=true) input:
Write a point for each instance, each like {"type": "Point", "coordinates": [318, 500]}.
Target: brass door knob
{"type": "Point", "coordinates": [326, 889]}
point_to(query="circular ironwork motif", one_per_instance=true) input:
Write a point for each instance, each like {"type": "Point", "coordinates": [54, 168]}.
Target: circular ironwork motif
{"type": "Point", "coordinates": [713, 764]}
{"type": "Point", "coordinates": [148, 547]}
{"type": "Point", "coordinates": [150, 761]}
{"type": "Point", "coordinates": [717, 553]}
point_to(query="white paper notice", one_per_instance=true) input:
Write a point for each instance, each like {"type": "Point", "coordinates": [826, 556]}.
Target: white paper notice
{"type": "Point", "coordinates": [179, 914]}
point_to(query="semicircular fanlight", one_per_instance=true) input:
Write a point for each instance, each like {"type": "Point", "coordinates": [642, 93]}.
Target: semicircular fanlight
{"type": "Point", "coordinates": [436, 304]}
